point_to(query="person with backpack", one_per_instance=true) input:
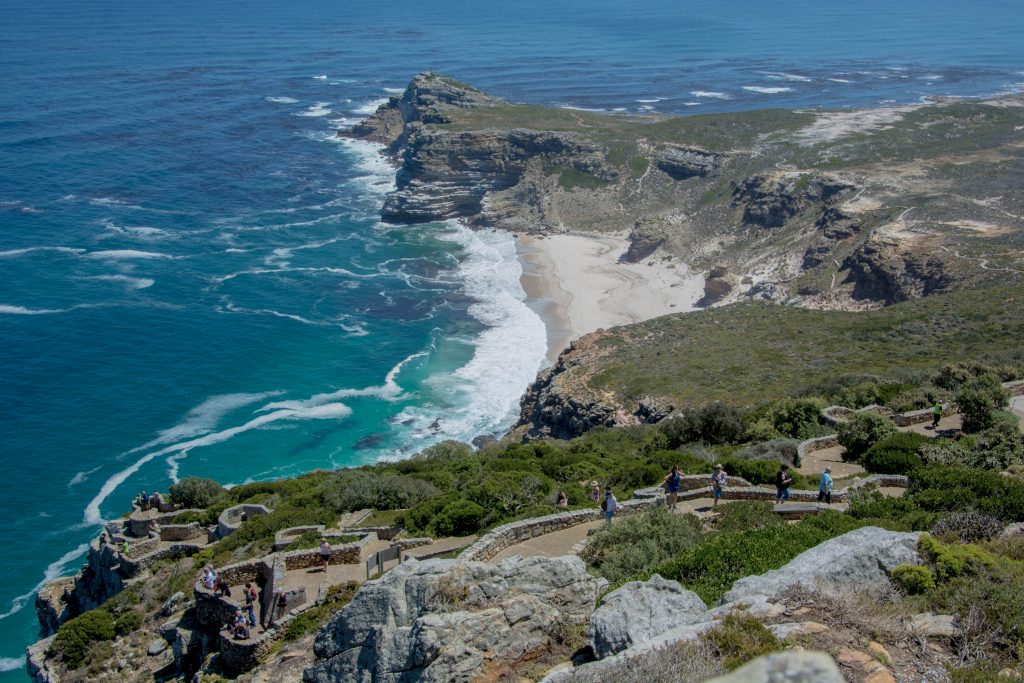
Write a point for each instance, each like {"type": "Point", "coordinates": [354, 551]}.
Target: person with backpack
{"type": "Point", "coordinates": [782, 483]}
{"type": "Point", "coordinates": [936, 414]}
{"type": "Point", "coordinates": [673, 482]}
{"type": "Point", "coordinates": [718, 481]}
{"type": "Point", "coordinates": [825, 486]}
{"type": "Point", "coordinates": [325, 553]}
{"type": "Point", "coordinates": [609, 505]}
{"type": "Point", "coordinates": [250, 602]}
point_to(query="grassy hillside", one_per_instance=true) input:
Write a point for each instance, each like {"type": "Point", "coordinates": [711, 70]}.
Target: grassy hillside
{"type": "Point", "coordinates": [752, 352]}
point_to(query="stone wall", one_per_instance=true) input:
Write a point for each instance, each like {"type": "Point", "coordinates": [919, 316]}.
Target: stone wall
{"type": "Point", "coordinates": [140, 523]}
{"type": "Point", "coordinates": [182, 532]}
{"type": "Point", "coordinates": [384, 533]}
{"type": "Point", "coordinates": [409, 543]}
{"type": "Point", "coordinates": [140, 548]}
{"type": "Point", "coordinates": [818, 444]}
{"type": "Point", "coordinates": [347, 553]}
{"type": "Point", "coordinates": [285, 537]}
{"type": "Point", "coordinates": [232, 518]}
{"type": "Point", "coordinates": [240, 572]}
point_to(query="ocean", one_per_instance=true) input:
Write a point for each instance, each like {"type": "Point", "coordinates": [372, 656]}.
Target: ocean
{"type": "Point", "coordinates": [194, 277]}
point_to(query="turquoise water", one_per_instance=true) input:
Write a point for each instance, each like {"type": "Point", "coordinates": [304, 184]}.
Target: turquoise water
{"type": "Point", "coordinates": [194, 280]}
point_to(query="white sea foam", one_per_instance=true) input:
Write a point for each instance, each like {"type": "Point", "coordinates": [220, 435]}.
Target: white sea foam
{"type": "Point", "coordinates": [574, 108]}
{"type": "Point", "coordinates": [370, 107]}
{"type": "Point", "coordinates": [840, 80]}
{"type": "Point", "coordinates": [305, 269]}
{"type": "Point", "coordinates": [329, 411]}
{"type": "Point", "coordinates": [931, 77]}
{"type": "Point", "coordinates": [784, 76]}
{"type": "Point", "coordinates": [52, 571]}
{"type": "Point", "coordinates": [395, 91]}
{"type": "Point", "coordinates": [651, 100]}
{"type": "Point", "coordinates": [140, 232]}
{"type": "Point", "coordinates": [7, 309]}
{"type": "Point", "coordinates": [28, 250]}
{"type": "Point", "coordinates": [766, 91]}
{"type": "Point", "coordinates": [711, 94]}
{"type": "Point", "coordinates": [484, 393]}
{"type": "Point", "coordinates": [128, 281]}
{"type": "Point", "coordinates": [126, 255]}
{"type": "Point", "coordinates": [81, 477]}
{"type": "Point", "coordinates": [316, 110]}
{"type": "Point", "coordinates": [692, 104]}
{"type": "Point", "coordinates": [354, 330]}
{"type": "Point", "coordinates": [11, 663]}
{"type": "Point", "coordinates": [321, 77]}
{"type": "Point", "coordinates": [379, 175]}
{"type": "Point", "coordinates": [281, 100]}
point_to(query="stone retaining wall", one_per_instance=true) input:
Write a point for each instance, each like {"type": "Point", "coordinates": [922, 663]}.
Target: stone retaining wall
{"type": "Point", "coordinates": [409, 543]}
{"type": "Point", "coordinates": [132, 567]}
{"type": "Point", "coordinates": [384, 533]}
{"type": "Point", "coordinates": [818, 444]}
{"type": "Point", "coordinates": [286, 537]}
{"type": "Point", "coordinates": [347, 553]}
{"type": "Point", "coordinates": [182, 532]}
{"type": "Point", "coordinates": [232, 518]}
{"type": "Point", "coordinates": [140, 548]}
{"type": "Point", "coordinates": [141, 523]}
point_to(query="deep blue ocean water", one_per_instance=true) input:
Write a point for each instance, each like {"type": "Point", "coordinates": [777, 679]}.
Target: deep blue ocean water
{"type": "Point", "coordinates": [193, 280]}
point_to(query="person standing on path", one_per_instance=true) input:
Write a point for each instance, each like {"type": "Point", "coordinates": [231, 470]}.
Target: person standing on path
{"type": "Point", "coordinates": [673, 482]}
{"type": "Point", "coordinates": [609, 505]}
{"type": "Point", "coordinates": [325, 553]}
{"type": "Point", "coordinates": [825, 486]}
{"type": "Point", "coordinates": [250, 602]}
{"type": "Point", "coordinates": [595, 492]}
{"type": "Point", "coordinates": [718, 481]}
{"type": "Point", "coordinates": [563, 500]}
{"type": "Point", "coordinates": [936, 414]}
{"type": "Point", "coordinates": [782, 484]}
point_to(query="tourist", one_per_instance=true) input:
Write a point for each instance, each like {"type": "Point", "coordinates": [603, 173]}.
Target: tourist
{"type": "Point", "coordinates": [563, 500]}
{"type": "Point", "coordinates": [718, 481]}
{"type": "Point", "coordinates": [673, 482]}
{"type": "Point", "coordinates": [155, 501]}
{"type": "Point", "coordinates": [782, 484]}
{"type": "Point", "coordinates": [124, 548]}
{"type": "Point", "coordinates": [325, 553]}
{"type": "Point", "coordinates": [209, 577]}
{"type": "Point", "coordinates": [145, 501]}
{"type": "Point", "coordinates": [223, 588]}
{"type": "Point", "coordinates": [250, 602]}
{"type": "Point", "coordinates": [609, 505]}
{"type": "Point", "coordinates": [241, 626]}
{"type": "Point", "coordinates": [103, 538]}
{"type": "Point", "coordinates": [825, 486]}
{"type": "Point", "coordinates": [595, 491]}
{"type": "Point", "coordinates": [936, 414]}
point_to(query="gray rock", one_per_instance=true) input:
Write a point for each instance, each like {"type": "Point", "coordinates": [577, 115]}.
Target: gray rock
{"type": "Point", "coordinates": [169, 630]}
{"type": "Point", "coordinates": [860, 559]}
{"type": "Point", "coordinates": [641, 611]}
{"type": "Point", "coordinates": [156, 647]}
{"type": "Point", "coordinates": [172, 604]}
{"type": "Point", "coordinates": [1013, 530]}
{"type": "Point", "coordinates": [929, 624]}
{"type": "Point", "coordinates": [445, 620]}
{"type": "Point", "coordinates": [791, 666]}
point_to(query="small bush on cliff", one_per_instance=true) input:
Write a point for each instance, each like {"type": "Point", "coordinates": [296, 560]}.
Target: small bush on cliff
{"type": "Point", "coordinates": [914, 579]}
{"type": "Point", "coordinates": [195, 492]}
{"type": "Point", "coordinates": [862, 431]}
{"type": "Point", "coordinates": [895, 454]}
{"type": "Point", "coordinates": [76, 636]}
{"type": "Point", "coordinates": [739, 638]}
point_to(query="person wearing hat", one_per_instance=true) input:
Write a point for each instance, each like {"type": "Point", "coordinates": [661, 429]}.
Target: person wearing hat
{"type": "Point", "coordinates": [718, 480]}
{"type": "Point", "coordinates": [609, 505]}
{"type": "Point", "coordinates": [825, 486]}
{"type": "Point", "coordinates": [595, 491]}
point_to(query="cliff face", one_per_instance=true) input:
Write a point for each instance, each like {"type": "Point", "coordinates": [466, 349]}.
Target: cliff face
{"type": "Point", "coordinates": [794, 206]}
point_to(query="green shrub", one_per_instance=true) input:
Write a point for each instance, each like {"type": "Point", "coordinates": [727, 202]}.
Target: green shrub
{"type": "Point", "coordinates": [127, 622]}
{"type": "Point", "coordinates": [459, 518]}
{"type": "Point", "coordinates": [636, 544]}
{"type": "Point", "coordinates": [967, 527]}
{"type": "Point", "coordinates": [998, 447]}
{"type": "Point", "coordinates": [953, 559]}
{"type": "Point", "coordinates": [195, 492]}
{"type": "Point", "coordinates": [862, 431]}
{"type": "Point", "coordinates": [895, 454]}
{"type": "Point", "coordinates": [946, 488]}
{"type": "Point", "coordinates": [742, 515]}
{"type": "Point", "coordinates": [710, 567]}
{"type": "Point", "coordinates": [914, 579]}
{"type": "Point", "coordinates": [312, 619]}
{"type": "Point", "coordinates": [873, 505]}
{"type": "Point", "coordinates": [776, 450]}
{"type": "Point", "coordinates": [713, 423]}
{"type": "Point", "coordinates": [740, 637]}
{"type": "Point", "coordinates": [76, 636]}
{"type": "Point", "coordinates": [978, 399]}
{"type": "Point", "coordinates": [797, 418]}
{"type": "Point", "coordinates": [357, 489]}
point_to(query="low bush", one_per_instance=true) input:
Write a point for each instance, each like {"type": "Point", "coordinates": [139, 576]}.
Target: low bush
{"type": "Point", "coordinates": [797, 418]}
{"type": "Point", "coordinates": [195, 492]}
{"type": "Point", "coordinates": [775, 450]}
{"type": "Point", "coordinates": [742, 515]}
{"type": "Point", "coordinates": [710, 567]}
{"type": "Point", "coordinates": [636, 544]}
{"type": "Point", "coordinates": [967, 527]}
{"type": "Point", "coordinates": [954, 559]}
{"type": "Point", "coordinates": [913, 578]}
{"type": "Point", "coordinates": [740, 637]}
{"type": "Point", "coordinates": [895, 454]}
{"type": "Point", "coordinates": [459, 518]}
{"type": "Point", "coordinates": [978, 399]}
{"type": "Point", "coordinates": [945, 488]}
{"type": "Point", "coordinates": [862, 431]}
{"type": "Point", "coordinates": [76, 636]}
{"type": "Point", "coordinates": [127, 622]}
{"type": "Point", "coordinates": [714, 423]}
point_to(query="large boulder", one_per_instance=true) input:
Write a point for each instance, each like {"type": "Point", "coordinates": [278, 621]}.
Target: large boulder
{"type": "Point", "coordinates": [445, 620]}
{"type": "Point", "coordinates": [860, 559]}
{"type": "Point", "coordinates": [791, 666]}
{"type": "Point", "coordinates": [641, 611]}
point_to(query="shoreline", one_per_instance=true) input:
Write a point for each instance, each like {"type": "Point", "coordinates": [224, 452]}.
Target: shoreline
{"type": "Point", "coordinates": [577, 285]}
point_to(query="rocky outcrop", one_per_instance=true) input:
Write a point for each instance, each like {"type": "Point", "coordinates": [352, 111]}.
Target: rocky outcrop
{"type": "Point", "coordinates": [892, 270]}
{"type": "Point", "coordinates": [444, 620]}
{"type": "Point", "coordinates": [860, 559]}
{"type": "Point", "coordinates": [681, 162]}
{"type": "Point", "coordinates": [792, 666]}
{"type": "Point", "coordinates": [641, 611]}
{"type": "Point", "coordinates": [770, 200]}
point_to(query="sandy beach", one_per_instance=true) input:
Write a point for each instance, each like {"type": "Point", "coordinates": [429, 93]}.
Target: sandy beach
{"type": "Point", "coordinates": [577, 284]}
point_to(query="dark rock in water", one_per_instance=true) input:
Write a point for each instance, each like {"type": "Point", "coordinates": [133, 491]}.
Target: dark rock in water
{"type": "Point", "coordinates": [483, 440]}
{"type": "Point", "coordinates": [368, 441]}
{"type": "Point", "coordinates": [435, 426]}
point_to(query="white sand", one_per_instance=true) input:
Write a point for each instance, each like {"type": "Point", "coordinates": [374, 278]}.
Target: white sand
{"type": "Point", "coordinates": [578, 285]}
